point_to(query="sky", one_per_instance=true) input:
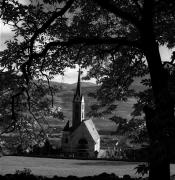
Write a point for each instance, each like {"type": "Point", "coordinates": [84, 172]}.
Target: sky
{"type": "Point", "coordinates": [70, 74]}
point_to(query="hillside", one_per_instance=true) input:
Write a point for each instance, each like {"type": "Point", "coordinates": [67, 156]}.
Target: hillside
{"type": "Point", "coordinates": [64, 97]}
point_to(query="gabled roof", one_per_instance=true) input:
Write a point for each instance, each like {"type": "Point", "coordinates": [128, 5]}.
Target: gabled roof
{"type": "Point", "coordinates": [86, 127]}
{"type": "Point", "coordinates": [92, 129]}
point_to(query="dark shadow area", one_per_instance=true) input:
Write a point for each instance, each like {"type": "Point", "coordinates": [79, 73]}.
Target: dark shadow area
{"type": "Point", "coordinates": [105, 163]}
{"type": "Point", "coordinates": [21, 175]}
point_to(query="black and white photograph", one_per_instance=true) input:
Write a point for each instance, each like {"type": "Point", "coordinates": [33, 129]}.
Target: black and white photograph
{"type": "Point", "coordinates": [87, 89]}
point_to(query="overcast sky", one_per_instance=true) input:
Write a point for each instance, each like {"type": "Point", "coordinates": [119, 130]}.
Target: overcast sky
{"type": "Point", "coordinates": [70, 74]}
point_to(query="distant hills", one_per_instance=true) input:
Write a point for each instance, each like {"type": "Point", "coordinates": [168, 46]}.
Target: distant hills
{"type": "Point", "coordinates": [64, 97]}
{"type": "Point", "coordinates": [84, 84]}
{"type": "Point", "coordinates": [73, 85]}
{"type": "Point", "coordinates": [136, 85]}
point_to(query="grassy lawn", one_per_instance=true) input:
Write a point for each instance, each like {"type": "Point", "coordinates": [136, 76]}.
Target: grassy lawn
{"type": "Point", "coordinates": [65, 167]}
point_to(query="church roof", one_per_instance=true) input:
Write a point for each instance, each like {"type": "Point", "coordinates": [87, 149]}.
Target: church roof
{"type": "Point", "coordinates": [92, 129]}
{"type": "Point", "coordinates": [66, 127]}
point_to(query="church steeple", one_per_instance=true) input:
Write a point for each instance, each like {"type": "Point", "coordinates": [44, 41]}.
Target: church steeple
{"type": "Point", "coordinates": [78, 105]}
{"type": "Point", "coordinates": [78, 90]}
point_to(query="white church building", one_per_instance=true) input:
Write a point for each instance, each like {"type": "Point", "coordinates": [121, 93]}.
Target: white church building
{"type": "Point", "coordinates": [82, 138]}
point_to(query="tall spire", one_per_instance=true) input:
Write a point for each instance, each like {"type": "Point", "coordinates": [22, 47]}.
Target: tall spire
{"type": "Point", "coordinates": [78, 90]}
{"type": "Point", "coordinates": [78, 105]}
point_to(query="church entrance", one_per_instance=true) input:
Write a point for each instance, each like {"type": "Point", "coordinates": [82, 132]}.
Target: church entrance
{"type": "Point", "coordinates": [83, 148]}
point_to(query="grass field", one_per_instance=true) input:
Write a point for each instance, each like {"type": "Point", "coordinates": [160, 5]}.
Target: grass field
{"type": "Point", "coordinates": [65, 167]}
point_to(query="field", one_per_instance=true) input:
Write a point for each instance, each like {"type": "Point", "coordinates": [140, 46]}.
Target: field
{"type": "Point", "coordinates": [65, 167]}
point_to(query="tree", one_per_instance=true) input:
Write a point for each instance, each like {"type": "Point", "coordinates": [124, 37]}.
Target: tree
{"type": "Point", "coordinates": [32, 109]}
{"type": "Point", "coordinates": [24, 105]}
{"type": "Point", "coordinates": [57, 34]}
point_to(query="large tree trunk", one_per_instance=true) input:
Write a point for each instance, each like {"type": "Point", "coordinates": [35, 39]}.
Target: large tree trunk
{"type": "Point", "coordinates": [159, 161]}
{"type": "Point", "coordinates": [159, 119]}
{"type": "Point", "coordinates": [159, 156]}
{"type": "Point", "coordinates": [159, 170]}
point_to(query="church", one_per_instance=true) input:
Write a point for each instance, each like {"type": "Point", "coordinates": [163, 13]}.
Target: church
{"type": "Point", "coordinates": [81, 139]}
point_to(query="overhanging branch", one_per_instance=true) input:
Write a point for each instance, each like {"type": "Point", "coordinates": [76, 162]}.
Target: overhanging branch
{"type": "Point", "coordinates": [26, 66]}
{"type": "Point", "coordinates": [138, 5]}
{"type": "Point", "coordinates": [51, 19]}
{"type": "Point", "coordinates": [111, 7]}
{"type": "Point", "coordinates": [90, 41]}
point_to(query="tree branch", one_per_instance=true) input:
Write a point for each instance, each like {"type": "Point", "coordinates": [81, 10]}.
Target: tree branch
{"type": "Point", "coordinates": [36, 120]}
{"type": "Point", "coordinates": [111, 7]}
{"type": "Point", "coordinates": [50, 88]}
{"type": "Point", "coordinates": [2, 7]}
{"type": "Point", "coordinates": [51, 19]}
{"type": "Point", "coordinates": [26, 66]}
{"type": "Point", "coordinates": [137, 5]}
{"type": "Point", "coordinates": [89, 41]}
{"type": "Point", "coordinates": [78, 54]}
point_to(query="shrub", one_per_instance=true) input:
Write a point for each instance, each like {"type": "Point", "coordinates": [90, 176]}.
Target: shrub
{"type": "Point", "coordinates": [26, 175]}
{"type": "Point", "coordinates": [25, 172]}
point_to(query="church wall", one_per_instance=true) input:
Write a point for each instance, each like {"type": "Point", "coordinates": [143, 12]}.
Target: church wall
{"type": "Point", "coordinates": [81, 133]}
{"type": "Point", "coordinates": [65, 141]}
{"type": "Point", "coordinates": [70, 141]}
